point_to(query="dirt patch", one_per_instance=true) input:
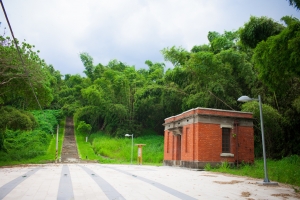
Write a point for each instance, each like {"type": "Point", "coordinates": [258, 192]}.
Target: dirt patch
{"type": "Point", "coordinates": [209, 175]}
{"type": "Point", "coordinates": [245, 194]}
{"type": "Point", "coordinates": [281, 195]}
{"type": "Point", "coordinates": [228, 182]}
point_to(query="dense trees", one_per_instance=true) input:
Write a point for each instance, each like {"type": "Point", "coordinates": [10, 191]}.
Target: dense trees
{"type": "Point", "coordinates": [213, 75]}
{"type": "Point", "coordinates": [25, 84]}
{"type": "Point", "coordinates": [262, 57]}
{"type": "Point", "coordinates": [278, 57]}
{"type": "Point", "coordinates": [114, 100]}
{"type": "Point", "coordinates": [122, 100]}
{"type": "Point", "coordinates": [276, 60]}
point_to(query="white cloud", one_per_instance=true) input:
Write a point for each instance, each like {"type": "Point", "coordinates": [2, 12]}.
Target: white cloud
{"type": "Point", "coordinates": [131, 31]}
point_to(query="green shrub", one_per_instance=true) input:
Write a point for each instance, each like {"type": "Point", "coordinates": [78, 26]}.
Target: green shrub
{"type": "Point", "coordinates": [207, 167]}
{"type": "Point", "coordinates": [47, 119]}
{"type": "Point", "coordinates": [84, 127]}
{"type": "Point", "coordinates": [14, 119]}
{"type": "Point", "coordinates": [22, 142]}
{"type": "Point", "coordinates": [25, 145]}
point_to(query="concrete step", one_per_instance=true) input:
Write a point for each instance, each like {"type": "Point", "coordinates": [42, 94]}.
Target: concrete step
{"type": "Point", "coordinates": [69, 149]}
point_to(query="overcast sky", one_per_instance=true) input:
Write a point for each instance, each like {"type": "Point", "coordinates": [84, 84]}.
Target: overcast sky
{"type": "Point", "coordinates": [131, 31]}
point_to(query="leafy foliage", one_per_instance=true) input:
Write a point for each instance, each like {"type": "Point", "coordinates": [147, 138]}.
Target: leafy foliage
{"type": "Point", "coordinates": [19, 143]}
{"type": "Point", "coordinates": [211, 74]}
{"type": "Point", "coordinates": [273, 131]}
{"type": "Point", "coordinates": [295, 3]}
{"type": "Point", "coordinates": [47, 119]}
{"type": "Point", "coordinates": [278, 59]}
{"type": "Point", "coordinates": [14, 119]}
{"type": "Point", "coordinates": [259, 29]}
{"type": "Point", "coordinates": [24, 145]}
{"type": "Point", "coordinates": [219, 42]}
{"type": "Point", "coordinates": [83, 127]}
{"type": "Point", "coordinates": [33, 75]}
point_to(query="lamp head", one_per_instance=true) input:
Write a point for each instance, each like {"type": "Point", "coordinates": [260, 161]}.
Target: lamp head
{"type": "Point", "coordinates": [127, 135]}
{"type": "Point", "coordinates": [245, 99]}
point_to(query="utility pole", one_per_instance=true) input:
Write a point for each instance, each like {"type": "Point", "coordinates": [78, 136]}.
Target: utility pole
{"type": "Point", "coordinates": [56, 153]}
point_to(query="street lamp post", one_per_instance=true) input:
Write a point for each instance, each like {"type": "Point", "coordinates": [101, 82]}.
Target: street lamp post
{"type": "Point", "coordinates": [246, 99]}
{"type": "Point", "coordinates": [127, 135]}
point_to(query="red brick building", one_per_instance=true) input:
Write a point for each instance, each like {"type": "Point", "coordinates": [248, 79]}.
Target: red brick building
{"type": "Point", "coordinates": [203, 135]}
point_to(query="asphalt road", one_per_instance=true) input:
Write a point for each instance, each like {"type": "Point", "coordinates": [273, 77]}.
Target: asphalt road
{"type": "Point", "coordinates": [99, 181]}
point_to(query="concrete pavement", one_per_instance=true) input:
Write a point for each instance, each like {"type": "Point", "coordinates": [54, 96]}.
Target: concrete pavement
{"type": "Point", "coordinates": [99, 181]}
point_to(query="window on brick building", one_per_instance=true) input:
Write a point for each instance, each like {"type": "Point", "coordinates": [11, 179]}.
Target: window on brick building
{"type": "Point", "coordinates": [225, 140]}
{"type": "Point", "coordinates": [168, 142]}
{"type": "Point", "coordinates": [186, 140]}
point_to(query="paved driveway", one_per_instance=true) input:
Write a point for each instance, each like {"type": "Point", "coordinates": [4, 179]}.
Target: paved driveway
{"type": "Point", "coordinates": [99, 181]}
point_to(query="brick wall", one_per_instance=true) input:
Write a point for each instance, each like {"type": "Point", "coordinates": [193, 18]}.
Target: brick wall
{"type": "Point", "coordinates": [202, 141]}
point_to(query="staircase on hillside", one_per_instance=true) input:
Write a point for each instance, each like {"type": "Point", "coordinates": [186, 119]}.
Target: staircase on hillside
{"type": "Point", "coordinates": [69, 149]}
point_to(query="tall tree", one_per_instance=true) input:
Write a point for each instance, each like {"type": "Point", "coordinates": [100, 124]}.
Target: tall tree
{"type": "Point", "coordinates": [25, 77]}
{"type": "Point", "coordinates": [87, 61]}
{"type": "Point", "coordinates": [278, 64]}
{"type": "Point", "coordinates": [277, 58]}
{"type": "Point", "coordinates": [259, 29]}
{"type": "Point", "coordinates": [211, 75]}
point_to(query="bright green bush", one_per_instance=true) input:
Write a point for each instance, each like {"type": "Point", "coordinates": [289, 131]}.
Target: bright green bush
{"type": "Point", "coordinates": [84, 127]}
{"type": "Point", "coordinates": [47, 119]}
{"type": "Point", "coordinates": [22, 142]}
{"type": "Point", "coordinates": [14, 119]}
{"type": "Point", "coordinates": [24, 145]}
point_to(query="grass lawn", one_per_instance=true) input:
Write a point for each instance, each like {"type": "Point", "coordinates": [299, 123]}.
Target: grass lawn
{"type": "Point", "coordinates": [85, 149]}
{"type": "Point", "coordinates": [106, 149]}
{"type": "Point", "coordinates": [286, 170]}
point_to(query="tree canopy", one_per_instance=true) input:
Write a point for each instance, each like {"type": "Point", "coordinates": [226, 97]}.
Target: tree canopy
{"type": "Point", "coordinates": [295, 3]}
{"type": "Point", "coordinates": [277, 58]}
{"type": "Point", "coordinates": [31, 75]}
{"type": "Point", "coordinates": [259, 29]}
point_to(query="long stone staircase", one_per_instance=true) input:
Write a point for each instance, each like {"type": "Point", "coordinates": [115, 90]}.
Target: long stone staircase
{"type": "Point", "coordinates": [69, 149]}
